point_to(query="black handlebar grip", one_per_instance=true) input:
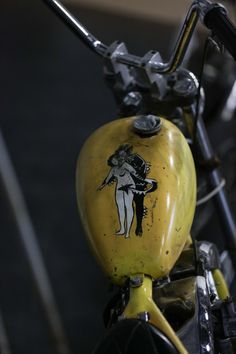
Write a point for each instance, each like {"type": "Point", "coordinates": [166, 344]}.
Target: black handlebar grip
{"type": "Point", "coordinates": [217, 20]}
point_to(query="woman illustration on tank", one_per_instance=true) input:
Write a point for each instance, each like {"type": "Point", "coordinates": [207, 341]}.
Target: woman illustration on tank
{"type": "Point", "coordinates": [129, 171]}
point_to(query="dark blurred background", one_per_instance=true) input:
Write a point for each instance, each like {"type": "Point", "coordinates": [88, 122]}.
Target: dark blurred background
{"type": "Point", "coordinates": [52, 97]}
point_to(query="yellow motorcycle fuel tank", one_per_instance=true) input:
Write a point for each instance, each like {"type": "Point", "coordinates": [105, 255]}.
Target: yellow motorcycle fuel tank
{"type": "Point", "coordinates": [136, 197]}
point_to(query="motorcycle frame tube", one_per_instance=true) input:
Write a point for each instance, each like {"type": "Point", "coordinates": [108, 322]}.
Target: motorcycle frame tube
{"type": "Point", "coordinates": [215, 178]}
{"type": "Point", "coordinates": [141, 301]}
{"type": "Point", "coordinates": [221, 286]}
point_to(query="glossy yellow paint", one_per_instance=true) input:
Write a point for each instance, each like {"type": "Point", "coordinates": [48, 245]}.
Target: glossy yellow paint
{"type": "Point", "coordinates": [170, 207]}
{"type": "Point", "coordinates": [221, 286]}
{"type": "Point", "coordinates": [189, 242]}
{"type": "Point", "coordinates": [141, 301]}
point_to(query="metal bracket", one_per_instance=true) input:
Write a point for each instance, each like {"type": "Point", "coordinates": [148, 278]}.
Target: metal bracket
{"type": "Point", "coordinates": [120, 72]}
{"type": "Point", "coordinates": [147, 77]}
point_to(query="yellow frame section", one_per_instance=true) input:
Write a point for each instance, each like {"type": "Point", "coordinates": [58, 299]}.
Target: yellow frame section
{"type": "Point", "coordinates": [220, 283]}
{"type": "Point", "coordinates": [141, 301]}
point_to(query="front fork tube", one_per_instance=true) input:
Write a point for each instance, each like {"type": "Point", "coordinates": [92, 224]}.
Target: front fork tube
{"type": "Point", "coordinates": [206, 153]}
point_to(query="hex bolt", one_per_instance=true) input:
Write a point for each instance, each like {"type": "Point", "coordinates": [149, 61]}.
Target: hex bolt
{"type": "Point", "coordinates": [144, 316]}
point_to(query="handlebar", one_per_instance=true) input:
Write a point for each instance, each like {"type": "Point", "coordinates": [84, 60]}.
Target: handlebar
{"type": "Point", "coordinates": [217, 20]}
{"type": "Point", "coordinates": [76, 26]}
{"type": "Point", "coordinates": [214, 16]}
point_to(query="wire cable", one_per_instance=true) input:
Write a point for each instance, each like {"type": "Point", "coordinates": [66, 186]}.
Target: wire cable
{"type": "Point", "coordinates": [211, 194]}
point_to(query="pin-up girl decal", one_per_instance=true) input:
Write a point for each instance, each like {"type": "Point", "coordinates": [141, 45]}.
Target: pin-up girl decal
{"type": "Point", "coordinates": [129, 171]}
